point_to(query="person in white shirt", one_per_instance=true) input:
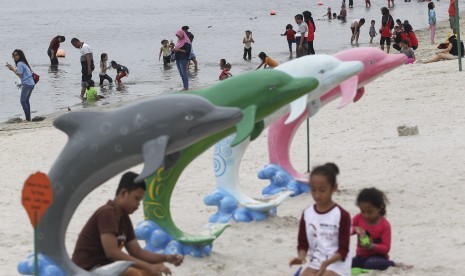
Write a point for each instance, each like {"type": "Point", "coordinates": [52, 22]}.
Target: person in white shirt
{"type": "Point", "coordinates": [87, 62]}
{"type": "Point", "coordinates": [324, 231]}
{"type": "Point", "coordinates": [300, 39]}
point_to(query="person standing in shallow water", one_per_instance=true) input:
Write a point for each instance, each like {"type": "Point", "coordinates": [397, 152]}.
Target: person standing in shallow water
{"type": "Point", "coordinates": [23, 70]}
{"type": "Point", "coordinates": [53, 48]}
{"type": "Point", "coordinates": [182, 50]}
{"type": "Point", "coordinates": [87, 62]}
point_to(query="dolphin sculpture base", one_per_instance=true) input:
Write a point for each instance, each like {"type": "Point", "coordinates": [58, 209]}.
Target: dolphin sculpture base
{"type": "Point", "coordinates": [229, 207]}
{"type": "Point", "coordinates": [160, 241]}
{"type": "Point", "coordinates": [47, 267]}
{"type": "Point", "coordinates": [281, 180]}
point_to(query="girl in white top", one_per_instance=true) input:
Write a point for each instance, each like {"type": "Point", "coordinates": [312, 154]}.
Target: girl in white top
{"type": "Point", "coordinates": [103, 69]}
{"type": "Point", "coordinates": [324, 231]}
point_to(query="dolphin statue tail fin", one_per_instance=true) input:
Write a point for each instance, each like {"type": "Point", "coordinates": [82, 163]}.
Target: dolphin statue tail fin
{"type": "Point", "coordinates": [69, 122]}
{"type": "Point", "coordinates": [348, 90]}
{"type": "Point", "coordinates": [116, 268]}
{"type": "Point", "coordinates": [297, 108]}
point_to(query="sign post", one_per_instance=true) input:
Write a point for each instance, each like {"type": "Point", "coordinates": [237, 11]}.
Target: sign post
{"type": "Point", "coordinates": [457, 26]}
{"type": "Point", "coordinates": [37, 195]}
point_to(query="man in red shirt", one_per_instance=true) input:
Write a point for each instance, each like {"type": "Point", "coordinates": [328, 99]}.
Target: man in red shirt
{"type": "Point", "coordinates": [452, 14]}
{"type": "Point", "coordinates": [53, 48]}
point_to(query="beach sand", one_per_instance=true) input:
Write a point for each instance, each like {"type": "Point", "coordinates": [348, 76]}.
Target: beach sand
{"type": "Point", "coordinates": [423, 176]}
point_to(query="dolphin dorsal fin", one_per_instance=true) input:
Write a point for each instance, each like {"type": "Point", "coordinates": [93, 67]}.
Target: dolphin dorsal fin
{"type": "Point", "coordinates": [360, 93]}
{"type": "Point", "coordinates": [153, 152]}
{"type": "Point", "coordinates": [297, 108]}
{"type": "Point", "coordinates": [69, 122]}
{"type": "Point", "coordinates": [348, 90]}
{"type": "Point", "coordinates": [313, 107]}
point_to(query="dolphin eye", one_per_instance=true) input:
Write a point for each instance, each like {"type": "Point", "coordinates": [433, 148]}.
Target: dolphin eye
{"type": "Point", "coordinates": [272, 87]}
{"type": "Point", "coordinates": [189, 117]}
{"type": "Point", "coordinates": [371, 61]}
{"type": "Point", "coordinates": [322, 71]}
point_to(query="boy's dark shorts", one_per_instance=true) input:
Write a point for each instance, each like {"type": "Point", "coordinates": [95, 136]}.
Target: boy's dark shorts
{"type": "Point", "coordinates": [383, 39]}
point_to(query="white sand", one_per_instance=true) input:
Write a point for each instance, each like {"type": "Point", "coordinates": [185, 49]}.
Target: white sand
{"type": "Point", "coordinates": [423, 176]}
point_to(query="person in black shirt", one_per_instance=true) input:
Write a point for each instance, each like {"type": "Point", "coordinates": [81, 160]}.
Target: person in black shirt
{"type": "Point", "coordinates": [449, 53]}
{"type": "Point", "coordinates": [121, 71]}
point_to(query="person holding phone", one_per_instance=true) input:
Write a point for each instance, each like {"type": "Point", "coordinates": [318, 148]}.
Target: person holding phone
{"type": "Point", "coordinates": [24, 72]}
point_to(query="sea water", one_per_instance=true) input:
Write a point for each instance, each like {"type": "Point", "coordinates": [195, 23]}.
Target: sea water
{"type": "Point", "coordinates": [131, 32]}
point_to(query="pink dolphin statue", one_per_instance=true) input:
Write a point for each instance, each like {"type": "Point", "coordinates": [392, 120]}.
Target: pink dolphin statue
{"type": "Point", "coordinates": [280, 134]}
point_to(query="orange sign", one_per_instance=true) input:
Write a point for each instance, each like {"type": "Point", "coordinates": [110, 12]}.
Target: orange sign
{"type": "Point", "coordinates": [37, 196]}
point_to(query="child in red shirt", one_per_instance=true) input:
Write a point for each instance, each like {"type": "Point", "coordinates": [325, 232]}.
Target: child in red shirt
{"type": "Point", "coordinates": [225, 73]}
{"type": "Point", "coordinates": [290, 34]}
{"type": "Point", "coordinates": [373, 231]}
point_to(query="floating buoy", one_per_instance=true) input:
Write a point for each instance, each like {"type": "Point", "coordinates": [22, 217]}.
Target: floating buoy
{"type": "Point", "coordinates": [61, 53]}
{"type": "Point", "coordinates": [273, 12]}
{"type": "Point", "coordinates": [320, 3]}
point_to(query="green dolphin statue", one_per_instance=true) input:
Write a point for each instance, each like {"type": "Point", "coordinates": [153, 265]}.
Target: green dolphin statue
{"type": "Point", "coordinates": [258, 94]}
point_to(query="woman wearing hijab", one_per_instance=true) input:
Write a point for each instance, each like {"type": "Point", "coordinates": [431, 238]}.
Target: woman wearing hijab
{"type": "Point", "coordinates": [182, 50]}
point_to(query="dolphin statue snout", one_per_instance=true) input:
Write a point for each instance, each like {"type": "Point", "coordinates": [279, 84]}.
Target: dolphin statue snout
{"type": "Point", "coordinates": [218, 119]}
{"type": "Point", "coordinates": [392, 61]}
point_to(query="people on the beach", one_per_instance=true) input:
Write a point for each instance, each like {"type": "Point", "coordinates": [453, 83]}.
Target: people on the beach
{"type": "Point", "coordinates": [109, 230]}
{"type": "Point", "coordinates": [324, 231]}
{"type": "Point", "coordinates": [308, 19]}
{"type": "Point", "coordinates": [343, 13]}
{"type": "Point", "coordinates": [432, 20]}
{"type": "Point", "coordinates": [192, 56]}
{"type": "Point", "coordinates": [87, 62]}
{"type": "Point", "coordinates": [398, 36]}
{"type": "Point", "coordinates": [452, 13]}
{"type": "Point", "coordinates": [355, 28]}
{"type": "Point", "coordinates": [351, 3]}
{"type": "Point", "coordinates": [91, 92]}
{"type": "Point", "coordinates": [373, 231]}
{"type": "Point", "coordinates": [390, 3]}
{"type": "Point", "coordinates": [328, 13]}
{"type": "Point", "coordinates": [53, 49]}
{"type": "Point", "coordinates": [165, 50]}
{"type": "Point", "coordinates": [408, 51]}
{"type": "Point", "coordinates": [367, 3]}
{"type": "Point", "coordinates": [372, 31]}
{"type": "Point", "coordinates": [182, 51]}
{"type": "Point", "coordinates": [300, 39]}
{"type": "Point", "coordinates": [290, 35]}
{"type": "Point", "coordinates": [121, 71]}
{"type": "Point", "coordinates": [103, 69]}
{"type": "Point", "coordinates": [247, 41]}
{"type": "Point", "coordinates": [399, 24]}
{"type": "Point", "coordinates": [267, 62]}
{"type": "Point", "coordinates": [24, 72]}
{"type": "Point", "coordinates": [387, 24]}
{"type": "Point", "coordinates": [225, 71]}
{"type": "Point", "coordinates": [449, 53]}
{"type": "Point", "coordinates": [412, 38]}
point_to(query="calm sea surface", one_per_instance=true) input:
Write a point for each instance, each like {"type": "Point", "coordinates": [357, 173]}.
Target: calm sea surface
{"type": "Point", "coordinates": [131, 31]}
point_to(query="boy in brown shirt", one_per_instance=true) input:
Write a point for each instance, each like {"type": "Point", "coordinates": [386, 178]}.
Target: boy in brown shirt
{"type": "Point", "coordinates": [110, 229]}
